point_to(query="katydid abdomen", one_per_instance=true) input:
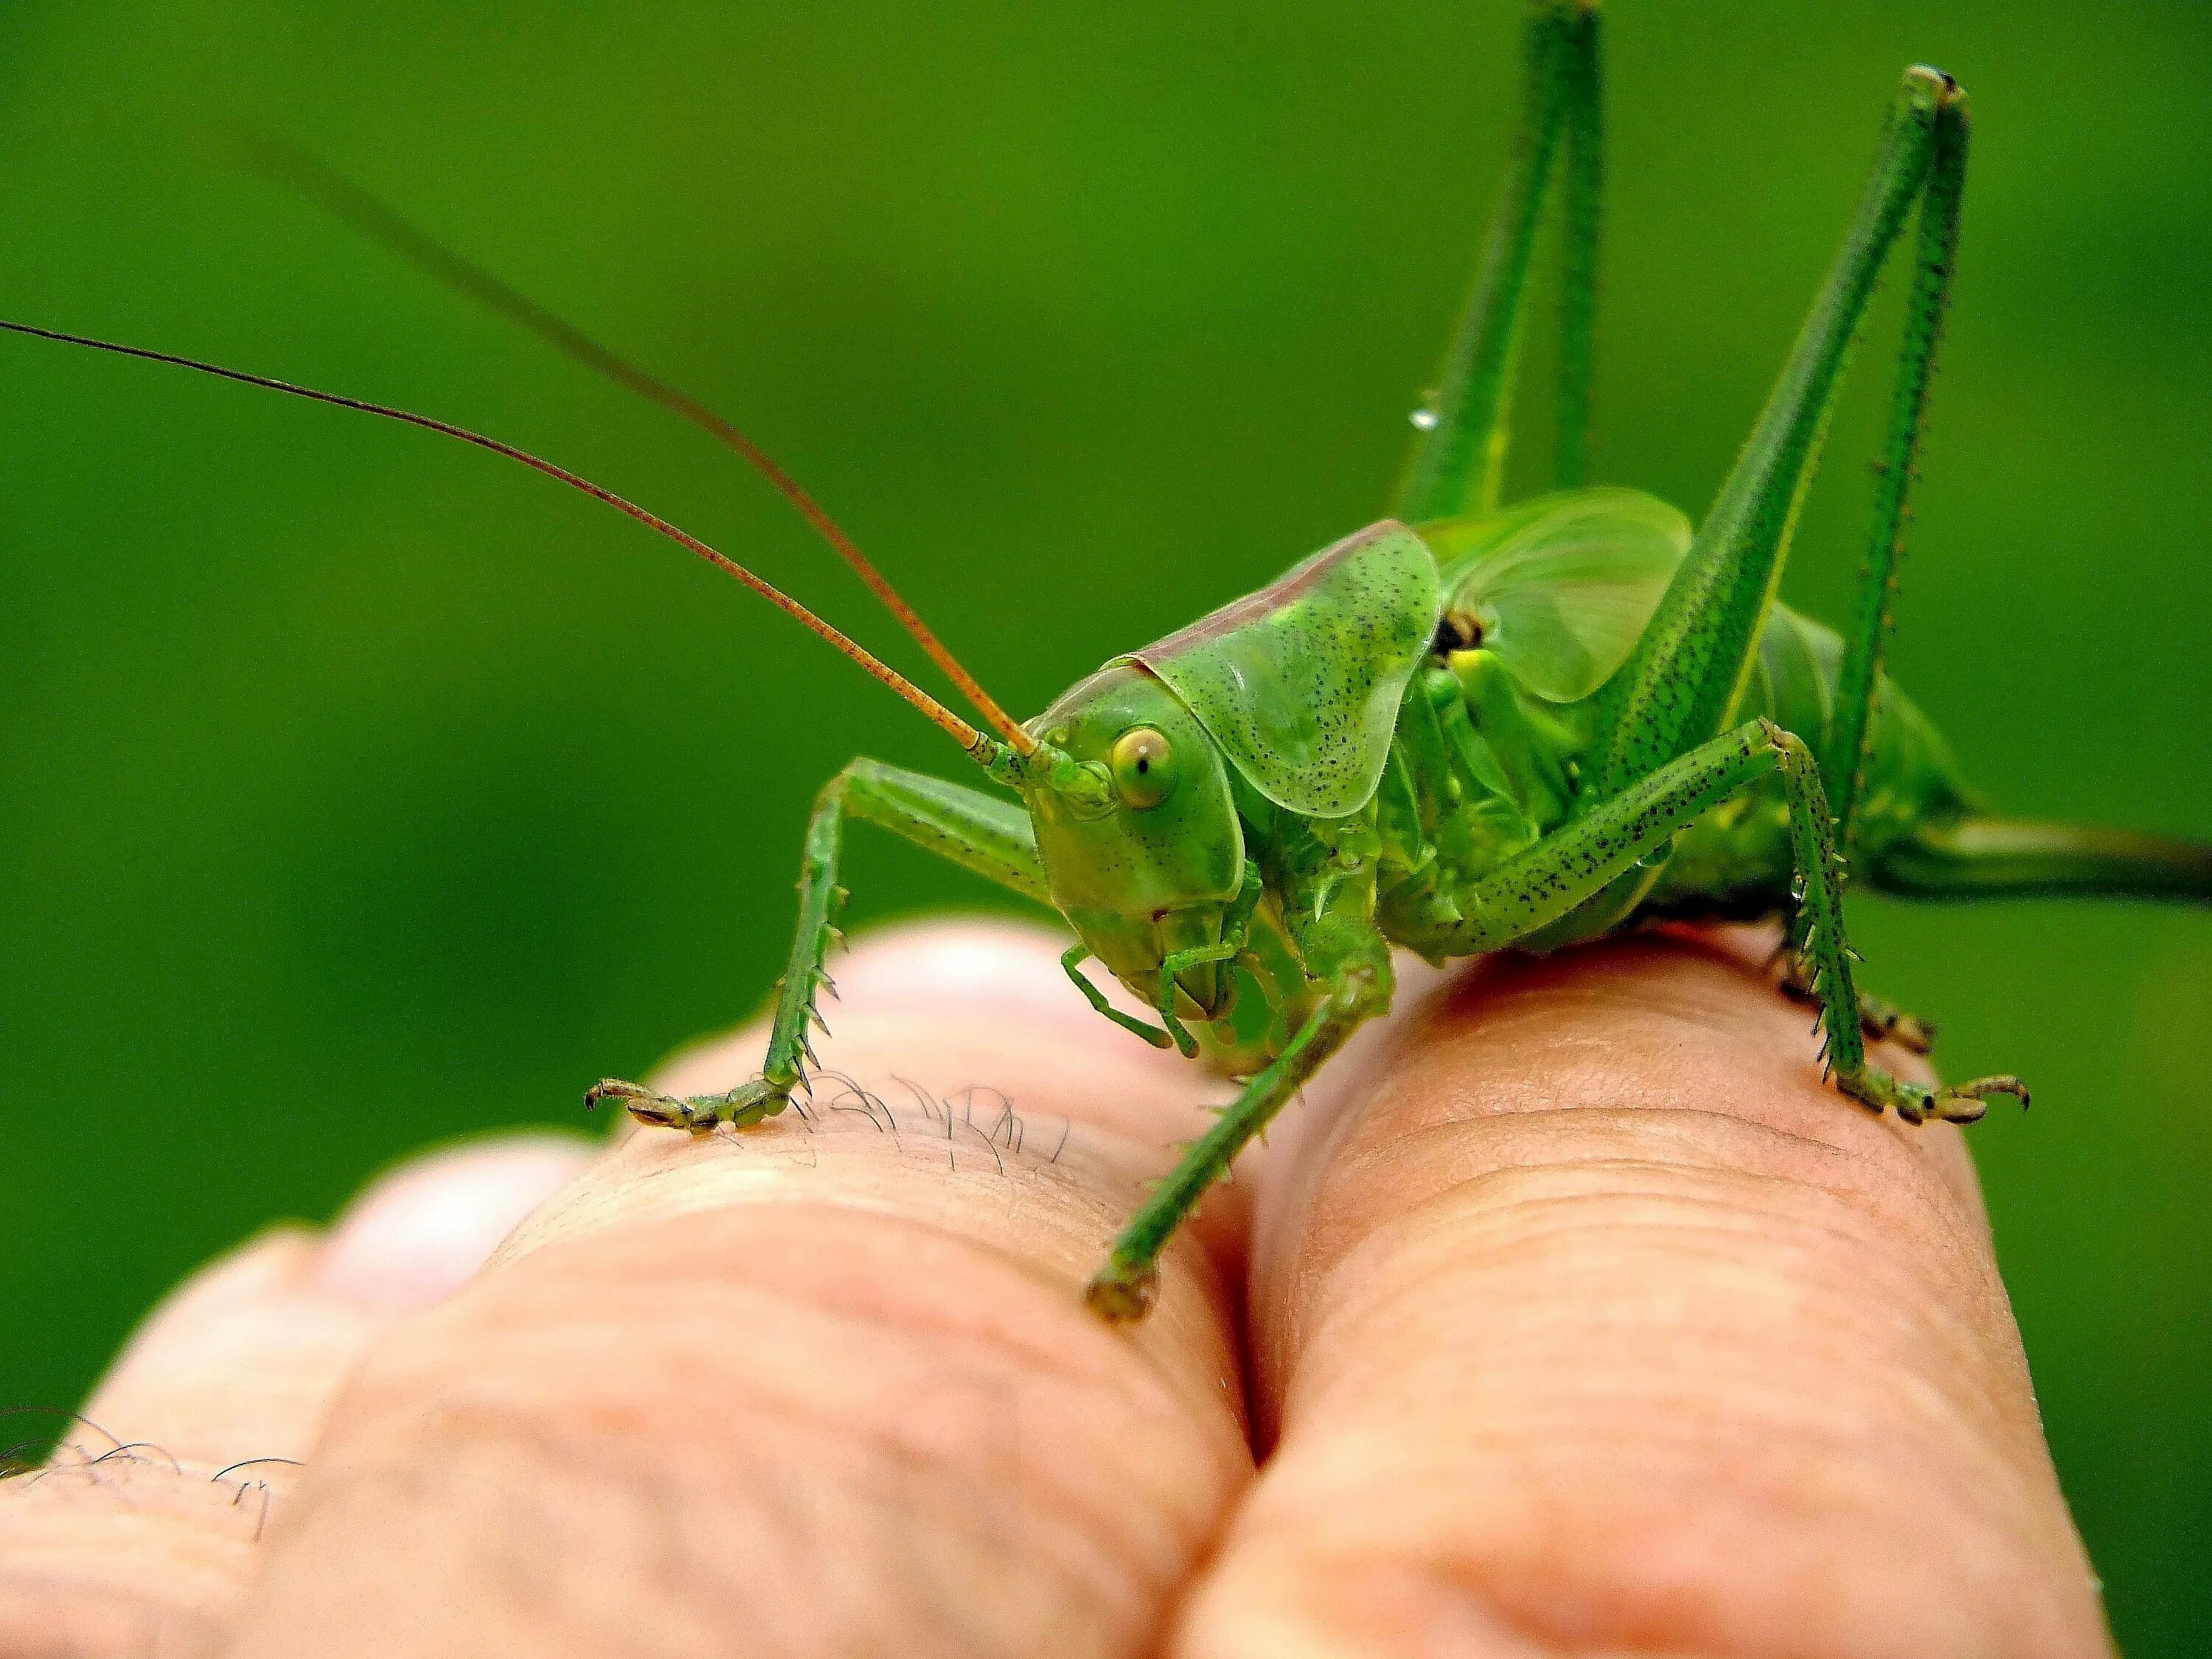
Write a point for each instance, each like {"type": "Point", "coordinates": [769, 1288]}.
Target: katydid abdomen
{"type": "Point", "coordinates": [1922, 829]}
{"type": "Point", "coordinates": [1544, 604]}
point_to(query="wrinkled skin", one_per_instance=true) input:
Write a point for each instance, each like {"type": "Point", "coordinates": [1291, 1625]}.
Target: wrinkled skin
{"type": "Point", "coordinates": [1581, 1322]}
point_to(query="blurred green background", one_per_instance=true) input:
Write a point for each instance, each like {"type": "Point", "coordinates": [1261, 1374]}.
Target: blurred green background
{"type": "Point", "coordinates": [359, 789]}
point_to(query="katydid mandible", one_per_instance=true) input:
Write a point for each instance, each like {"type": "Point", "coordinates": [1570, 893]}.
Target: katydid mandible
{"type": "Point", "coordinates": [1470, 727]}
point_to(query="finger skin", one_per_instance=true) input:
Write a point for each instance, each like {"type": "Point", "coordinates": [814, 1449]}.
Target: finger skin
{"type": "Point", "coordinates": [139, 1536]}
{"type": "Point", "coordinates": [1597, 1325]}
{"type": "Point", "coordinates": [824, 1387]}
{"type": "Point", "coordinates": [141, 1550]}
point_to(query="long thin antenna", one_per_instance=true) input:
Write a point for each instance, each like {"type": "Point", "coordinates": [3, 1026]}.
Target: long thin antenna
{"type": "Point", "coordinates": [348, 201]}
{"type": "Point", "coordinates": [957, 729]}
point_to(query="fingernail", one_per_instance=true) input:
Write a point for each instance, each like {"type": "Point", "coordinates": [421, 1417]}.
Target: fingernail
{"type": "Point", "coordinates": [420, 1233]}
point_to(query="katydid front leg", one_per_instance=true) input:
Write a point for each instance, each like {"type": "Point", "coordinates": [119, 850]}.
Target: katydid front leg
{"type": "Point", "coordinates": [979, 832]}
{"type": "Point", "coordinates": [1581, 860]}
{"type": "Point", "coordinates": [1358, 981]}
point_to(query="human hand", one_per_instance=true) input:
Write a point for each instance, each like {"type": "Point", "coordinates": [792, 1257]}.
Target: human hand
{"type": "Point", "coordinates": [1582, 1319]}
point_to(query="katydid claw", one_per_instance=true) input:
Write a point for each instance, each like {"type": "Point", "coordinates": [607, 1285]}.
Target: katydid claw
{"type": "Point", "coordinates": [1957, 1103]}
{"type": "Point", "coordinates": [1121, 1296]}
{"type": "Point", "coordinates": [611, 1088]}
{"type": "Point", "coordinates": [1966, 1103]}
{"type": "Point", "coordinates": [742, 1107]}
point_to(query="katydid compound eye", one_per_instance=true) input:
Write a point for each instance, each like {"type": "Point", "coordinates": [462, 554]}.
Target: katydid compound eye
{"type": "Point", "coordinates": [1144, 768]}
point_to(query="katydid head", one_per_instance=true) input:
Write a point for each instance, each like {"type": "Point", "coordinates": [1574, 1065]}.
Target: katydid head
{"type": "Point", "coordinates": [1296, 688]}
{"type": "Point", "coordinates": [1136, 831]}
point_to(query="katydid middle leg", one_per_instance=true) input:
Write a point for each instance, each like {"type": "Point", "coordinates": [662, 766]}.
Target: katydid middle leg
{"type": "Point", "coordinates": [979, 832]}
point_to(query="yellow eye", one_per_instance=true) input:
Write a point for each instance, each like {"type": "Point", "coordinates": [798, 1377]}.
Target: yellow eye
{"type": "Point", "coordinates": [1144, 768]}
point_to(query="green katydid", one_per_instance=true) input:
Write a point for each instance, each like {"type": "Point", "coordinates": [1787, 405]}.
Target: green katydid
{"type": "Point", "coordinates": [1464, 729]}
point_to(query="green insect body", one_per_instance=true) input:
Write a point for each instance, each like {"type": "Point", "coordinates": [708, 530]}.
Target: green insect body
{"type": "Point", "coordinates": [1498, 728]}
{"type": "Point", "coordinates": [1467, 728]}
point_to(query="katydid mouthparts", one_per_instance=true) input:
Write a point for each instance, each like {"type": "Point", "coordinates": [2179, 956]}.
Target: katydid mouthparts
{"type": "Point", "coordinates": [1472, 726]}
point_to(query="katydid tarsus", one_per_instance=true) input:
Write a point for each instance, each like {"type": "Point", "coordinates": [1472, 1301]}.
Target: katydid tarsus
{"type": "Point", "coordinates": [1467, 728]}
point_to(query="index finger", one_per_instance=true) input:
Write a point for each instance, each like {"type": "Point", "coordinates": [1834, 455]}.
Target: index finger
{"type": "Point", "coordinates": [1600, 1325]}
{"type": "Point", "coordinates": [825, 1386]}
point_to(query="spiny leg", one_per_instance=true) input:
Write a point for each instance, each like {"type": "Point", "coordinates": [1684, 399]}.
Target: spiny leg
{"type": "Point", "coordinates": [979, 832]}
{"type": "Point", "coordinates": [1822, 946]}
{"type": "Point", "coordinates": [1458, 462]}
{"type": "Point", "coordinates": [1880, 1021]}
{"type": "Point", "coordinates": [1580, 860]}
{"type": "Point", "coordinates": [1679, 687]}
{"type": "Point", "coordinates": [1358, 989]}
{"type": "Point", "coordinates": [1843, 761]}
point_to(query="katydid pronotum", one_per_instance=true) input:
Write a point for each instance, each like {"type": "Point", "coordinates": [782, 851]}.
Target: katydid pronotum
{"type": "Point", "coordinates": [1471, 727]}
